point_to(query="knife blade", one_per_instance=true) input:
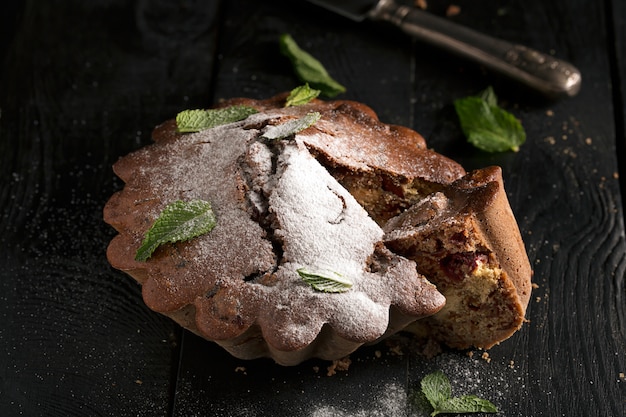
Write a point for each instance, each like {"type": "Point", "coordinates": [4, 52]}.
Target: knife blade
{"type": "Point", "coordinates": [549, 75]}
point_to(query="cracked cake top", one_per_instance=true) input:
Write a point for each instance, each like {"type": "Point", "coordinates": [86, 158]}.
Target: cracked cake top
{"type": "Point", "coordinates": [278, 210]}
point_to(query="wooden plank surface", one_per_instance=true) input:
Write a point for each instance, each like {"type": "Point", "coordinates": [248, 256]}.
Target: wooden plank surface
{"type": "Point", "coordinates": [617, 21]}
{"type": "Point", "coordinates": [83, 83]}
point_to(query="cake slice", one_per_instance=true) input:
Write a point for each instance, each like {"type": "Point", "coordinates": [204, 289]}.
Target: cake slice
{"type": "Point", "coordinates": [464, 238]}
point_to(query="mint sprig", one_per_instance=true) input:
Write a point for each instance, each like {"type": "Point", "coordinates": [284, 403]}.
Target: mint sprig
{"type": "Point", "coordinates": [486, 125]}
{"type": "Point", "coordinates": [325, 281]}
{"type": "Point", "coordinates": [438, 391]}
{"type": "Point", "coordinates": [291, 127]}
{"type": "Point", "coordinates": [301, 95]}
{"type": "Point", "coordinates": [178, 222]}
{"type": "Point", "coordinates": [308, 68]}
{"type": "Point", "coordinates": [189, 121]}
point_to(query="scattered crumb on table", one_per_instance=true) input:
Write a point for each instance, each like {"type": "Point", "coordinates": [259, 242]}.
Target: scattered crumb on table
{"type": "Point", "coordinates": [453, 10]}
{"type": "Point", "coordinates": [339, 365]}
{"type": "Point", "coordinates": [421, 4]}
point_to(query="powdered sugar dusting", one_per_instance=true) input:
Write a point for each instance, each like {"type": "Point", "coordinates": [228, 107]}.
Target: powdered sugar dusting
{"type": "Point", "coordinates": [278, 209]}
{"type": "Point", "coordinates": [390, 401]}
{"type": "Point", "coordinates": [321, 224]}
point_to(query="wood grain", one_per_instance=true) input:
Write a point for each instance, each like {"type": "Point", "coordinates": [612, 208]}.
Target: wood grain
{"type": "Point", "coordinates": [82, 84]}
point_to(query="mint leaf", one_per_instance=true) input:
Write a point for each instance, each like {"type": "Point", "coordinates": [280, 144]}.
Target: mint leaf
{"type": "Point", "coordinates": [437, 390]}
{"type": "Point", "coordinates": [189, 121]}
{"type": "Point", "coordinates": [486, 125]}
{"type": "Point", "coordinates": [325, 281]}
{"type": "Point", "coordinates": [308, 69]}
{"type": "Point", "coordinates": [179, 221]}
{"type": "Point", "coordinates": [291, 127]}
{"type": "Point", "coordinates": [465, 404]}
{"type": "Point", "coordinates": [436, 387]}
{"type": "Point", "coordinates": [489, 96]}
{"type": "Point", "coordinates": [301, 95]}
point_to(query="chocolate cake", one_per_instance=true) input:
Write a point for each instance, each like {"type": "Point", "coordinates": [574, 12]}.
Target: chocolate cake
{"type": "Point", "coordinates": [349, 194]}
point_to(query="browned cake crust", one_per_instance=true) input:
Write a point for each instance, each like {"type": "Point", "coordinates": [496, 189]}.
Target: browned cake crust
{"type": "Point", "coordinates": [237, 286]}
{"type": "Point", "coordinates": [278, 209]}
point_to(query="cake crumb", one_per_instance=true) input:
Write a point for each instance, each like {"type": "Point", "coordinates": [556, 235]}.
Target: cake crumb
{"type": "Point", "coordinates": [339, 365]}
{"type": "Point", "coordinates": [421, 4]}
{"type": "Point", "coordinates": [138, 381]}
{"type": "Point", "coordinates": [316, 369]}
{"type": "Point", "coordinates": [378, 354]}
{"type": "Point", "coordinates": [470, 354]}
{"type": "Point", "coordinates": [550, 140]}
{"type": "Point", "coordinates": [549, 113]}
{"type": "Point", "coordinates": [570, 152]}
{"type": "Point", "coordinates": [616, 175]}
{"type": "Point", "coordinates": [453, 10]}
{"type": "Point", "coordinates": [622, 376]}
{"type": "Point", "coordinates": [588, 141]}
{"type": "Point", "coordinates": [538, 299]}
{"type": "Point", "coordinates": [486, 357]}
{"type": "Point", "coordinates": [241, 369]}
{"type": "Point", "coordinates": [512, 364]}
{"type": "Point", "coordinates": [534, 285]}
{"type": "Point", "coordinates": [396, 350]}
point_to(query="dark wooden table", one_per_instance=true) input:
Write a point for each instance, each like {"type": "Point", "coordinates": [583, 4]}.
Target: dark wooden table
{"type": "Point", "coordinates": [84, 82]}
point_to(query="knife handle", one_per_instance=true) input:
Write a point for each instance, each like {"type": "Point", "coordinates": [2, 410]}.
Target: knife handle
{"type": "Point", "coordinates": [551, 76]}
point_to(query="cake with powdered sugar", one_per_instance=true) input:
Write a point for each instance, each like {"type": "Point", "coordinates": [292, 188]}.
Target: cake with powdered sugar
{"type": "Point", "coordinates": [425, 245]}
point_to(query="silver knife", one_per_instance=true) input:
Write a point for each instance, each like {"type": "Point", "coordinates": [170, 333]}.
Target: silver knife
{"type": "Point", "coordinates": [542, 72]}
